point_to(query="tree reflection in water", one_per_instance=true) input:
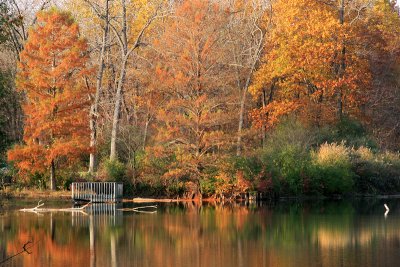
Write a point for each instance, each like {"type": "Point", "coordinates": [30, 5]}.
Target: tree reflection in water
{"type": "Point", "coordinates": [286, 234]}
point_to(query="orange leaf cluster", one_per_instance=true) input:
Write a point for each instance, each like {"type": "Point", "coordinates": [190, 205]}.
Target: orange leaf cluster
{"type": "Point", "coordinates": [270, 115]}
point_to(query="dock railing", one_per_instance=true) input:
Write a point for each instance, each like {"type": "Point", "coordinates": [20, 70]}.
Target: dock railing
{"type": "Point", "coordinates": [97, 191]}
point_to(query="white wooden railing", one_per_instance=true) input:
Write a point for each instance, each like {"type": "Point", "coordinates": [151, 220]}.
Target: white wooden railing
{"type": "Point", "coordinates": [97, 191]}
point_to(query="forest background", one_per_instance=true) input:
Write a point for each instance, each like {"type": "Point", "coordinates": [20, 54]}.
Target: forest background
{"type": "Point", "coordinates": [202, 98]}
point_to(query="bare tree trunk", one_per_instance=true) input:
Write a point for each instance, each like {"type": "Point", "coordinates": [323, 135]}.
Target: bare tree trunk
{"type": "Point", "coordinates": [123, 39]}
{"type": "Point", "coordinates": [256, 40]}
{"type": "Point", "coordinates": [263, 129]}
{"type": "Point", "coordinates": [53, 176]}
{"type": "Point", "coordinates": [99, 80]}
{"type": "Point", "coordinates": [125, 52]}
{"type": "Point", "coordinates": [241, 120]}
{"type": "Point", "coordinates": [242, 110]}
{"type": "Point", "coordinates": [117, 108]}
{"type": "Point", "coordinates": [146, 128]}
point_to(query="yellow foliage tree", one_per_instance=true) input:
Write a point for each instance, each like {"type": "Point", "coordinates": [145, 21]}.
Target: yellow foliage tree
{"type": "Point", "coordinates": [311, 55]}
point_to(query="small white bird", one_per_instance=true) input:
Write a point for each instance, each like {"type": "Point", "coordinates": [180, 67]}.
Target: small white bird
{"type": "Point", "coordinates": [387, 209]}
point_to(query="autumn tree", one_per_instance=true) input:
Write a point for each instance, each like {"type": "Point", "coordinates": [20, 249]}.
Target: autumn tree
{"type": "Point", "coordinates": [246, 42]}
{"type": "Point", "coordinates": [382, 45]}
{"type": "Point", "coordinates": [194, 76]}
{"type": "Point", "coordinates": [15, 18]}
{"type": "Point", "coordinates": [102, 13]}
{"type": "Point", "coordinates": [129, 32]}
{"type": "Point", "coordinates": [52, 75]}
{"type": "Point", "coordinates": [305, 66]}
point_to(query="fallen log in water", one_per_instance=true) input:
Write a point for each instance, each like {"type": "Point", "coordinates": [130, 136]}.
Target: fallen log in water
{"type": "Point", "coordinates": [139, 209]}
{"type": "Point", "coordinates": [151, 200]}
{"type": "Point", "coordinates": [38, 209]}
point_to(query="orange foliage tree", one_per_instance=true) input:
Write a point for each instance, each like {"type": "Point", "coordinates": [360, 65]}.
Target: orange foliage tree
{"type": "Point", "coordinates": [312, 64]}
{"type": "Point", "coordinates": [193, 78]}
{"type": "Point", "coordinates": [52, 75]}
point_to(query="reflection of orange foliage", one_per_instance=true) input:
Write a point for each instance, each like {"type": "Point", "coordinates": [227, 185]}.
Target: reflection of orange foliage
{"type": "Point", "coordinates": [46, 252]}
{"type": "Point", "coordinates": [210, 235]}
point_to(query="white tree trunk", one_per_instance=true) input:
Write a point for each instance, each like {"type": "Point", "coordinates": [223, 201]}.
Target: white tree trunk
{"type": "Point", "coordinates": [99, 80]}
{"type": "Point", "coordinates": [117, 109]}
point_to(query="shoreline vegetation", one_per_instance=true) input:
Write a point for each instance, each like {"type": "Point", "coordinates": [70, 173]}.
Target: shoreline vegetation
{"type": "Point", "coordinates": [256, 102]}
{"type": "Point", "coordinates": [65, 196]}
{"type": "Point", "coordinates": [297, 161]}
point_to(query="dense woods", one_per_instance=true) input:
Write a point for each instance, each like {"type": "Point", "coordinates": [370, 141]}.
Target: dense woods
{"type": "Point", "coordinates": [202, 98]}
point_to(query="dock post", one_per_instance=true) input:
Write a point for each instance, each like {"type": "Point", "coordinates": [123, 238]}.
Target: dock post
{"type": "Point", "coordinates": [115, 191]}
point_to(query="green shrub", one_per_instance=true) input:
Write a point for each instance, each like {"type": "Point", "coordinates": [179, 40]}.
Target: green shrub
{"type": "Point", "coordinates": [285, 157]}
{"type": "Point", "coordinates": [175, 189]}
{"type": "Point", "coordinates": [347, 130]}
{"type": "Point", "coordinates": [115, 171]}
{"type": "Point", "coordinates": [251, 167]}
{"type": "Point", "coordinates": [208, 186]}
{"type": "Point", "coordinates": [210, 180]}
{"type": "Point", "coordinates": [66, 185]}
{"type": "Point", "coordinates": [286, 167]}
{"type": "Point", "coordinates": [38, 180]}
{"type": "Point", "coordinates": [377, 173]}
{"type": "Point", "coordinates": [146, 189]}
{"type": "Point", "coordinates": [331, 169]}
{"type": "Point", "coordinates": [290, 132]}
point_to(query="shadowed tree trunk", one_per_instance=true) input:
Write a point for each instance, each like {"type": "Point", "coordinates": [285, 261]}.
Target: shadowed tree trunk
{"type": "Point", "coordinates": [53, 176]}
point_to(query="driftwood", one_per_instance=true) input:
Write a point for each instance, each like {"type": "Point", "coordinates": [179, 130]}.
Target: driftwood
{"type": "Point", "coordinates": [38, 209]}
{"type": "Point", "coordinates": [150, 200]}
{"type": "Point", "coordinates": [139, 209]}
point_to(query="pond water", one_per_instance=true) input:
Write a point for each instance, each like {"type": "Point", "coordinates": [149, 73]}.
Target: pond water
{"type": "Point", "coordinates": [287, 233]}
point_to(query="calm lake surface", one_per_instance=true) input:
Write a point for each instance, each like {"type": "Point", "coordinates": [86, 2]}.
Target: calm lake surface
{"type": "Point", "coordinates": [287, 233]}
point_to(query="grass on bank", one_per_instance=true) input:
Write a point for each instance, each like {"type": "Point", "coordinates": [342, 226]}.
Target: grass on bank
{"type": "Point", "coordinates": [328, 161]}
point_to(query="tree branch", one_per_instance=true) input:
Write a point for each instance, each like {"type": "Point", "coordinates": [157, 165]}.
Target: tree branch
{"type": "Point", "coordinates": [25, 248]}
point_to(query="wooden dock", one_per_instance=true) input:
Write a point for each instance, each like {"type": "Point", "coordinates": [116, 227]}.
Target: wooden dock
{"type": "Point", "coordinates": [99, 192]}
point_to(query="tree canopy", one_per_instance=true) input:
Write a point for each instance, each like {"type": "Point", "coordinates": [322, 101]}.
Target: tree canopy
{"type": "Point", "coordinates": [52, 74]}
